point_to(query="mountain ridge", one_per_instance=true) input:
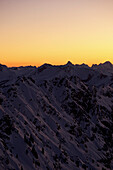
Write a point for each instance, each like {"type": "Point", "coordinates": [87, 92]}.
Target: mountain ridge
{"type": "Point", "coordinates": [68, 63]}
{"type": "Point", "coordinates": [56, 117]}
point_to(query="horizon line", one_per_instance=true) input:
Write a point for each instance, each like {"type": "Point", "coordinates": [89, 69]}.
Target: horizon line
{"type": "Point", "coordinates": [30, 65]}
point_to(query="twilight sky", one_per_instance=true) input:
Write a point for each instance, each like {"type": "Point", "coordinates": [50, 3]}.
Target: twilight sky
{"type": "Point", "coordinates": [33, 32]}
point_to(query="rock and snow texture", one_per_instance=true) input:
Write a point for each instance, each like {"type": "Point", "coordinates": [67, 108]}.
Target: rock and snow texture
{"type": "Point", "coordinates": [56, 117]}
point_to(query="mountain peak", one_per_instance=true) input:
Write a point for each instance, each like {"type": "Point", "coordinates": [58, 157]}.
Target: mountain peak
{"type": "Point", "coordinates": [107, 63]}
{"type": "Point", "coordinates": [69, 63]}
{"type": "Point", "coordinates": [2, 67]}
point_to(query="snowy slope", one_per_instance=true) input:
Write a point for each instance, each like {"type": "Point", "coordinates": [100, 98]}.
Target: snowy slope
{"type": "Point", "coordinates": [56, 117]}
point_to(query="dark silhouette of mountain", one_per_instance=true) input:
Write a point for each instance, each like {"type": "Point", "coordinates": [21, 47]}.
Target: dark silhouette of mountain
{"type": "Point", "coordinates": [56, 117]}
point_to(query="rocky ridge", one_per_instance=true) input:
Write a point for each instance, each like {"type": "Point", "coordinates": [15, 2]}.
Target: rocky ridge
{"type": "Point", "coordinates": [56, 117]}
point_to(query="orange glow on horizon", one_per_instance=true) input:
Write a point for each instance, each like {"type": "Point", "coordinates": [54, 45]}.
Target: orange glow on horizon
{"type": "Point", "coordinates": [45, 31]}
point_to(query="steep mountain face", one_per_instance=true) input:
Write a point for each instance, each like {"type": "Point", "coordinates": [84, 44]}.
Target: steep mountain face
{"type": "Point", "coordinates": [56, 117]}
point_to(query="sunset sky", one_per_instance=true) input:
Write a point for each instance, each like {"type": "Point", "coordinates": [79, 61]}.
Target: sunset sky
{"type": "Point", "coordinates": [33, 32]}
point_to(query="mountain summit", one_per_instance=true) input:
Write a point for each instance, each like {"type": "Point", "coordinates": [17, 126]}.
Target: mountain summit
{"type": "Point", "coordinates": [107, 64]}
{"type": "Point", "coordinates": [69, 63]}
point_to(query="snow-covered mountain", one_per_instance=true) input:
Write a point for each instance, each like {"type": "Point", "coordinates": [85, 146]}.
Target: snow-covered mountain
{"type": "Point", "coordinates": [56, 117]}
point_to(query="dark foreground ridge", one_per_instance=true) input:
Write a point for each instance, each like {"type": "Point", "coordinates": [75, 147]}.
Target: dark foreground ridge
{"type": "Point", "coordinates": [56, 117]}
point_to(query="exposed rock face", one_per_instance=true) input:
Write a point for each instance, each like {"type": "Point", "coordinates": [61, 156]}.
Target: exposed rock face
{"type": "Point", "coordinates": [56, 117]}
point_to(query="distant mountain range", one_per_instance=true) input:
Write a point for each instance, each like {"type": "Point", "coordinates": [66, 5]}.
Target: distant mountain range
{"type": "Point", "coordinates": [56, 117]}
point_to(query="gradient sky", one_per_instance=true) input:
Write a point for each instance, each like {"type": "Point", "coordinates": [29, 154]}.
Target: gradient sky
{"type": "Point", "coordinates": [33, 32]}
